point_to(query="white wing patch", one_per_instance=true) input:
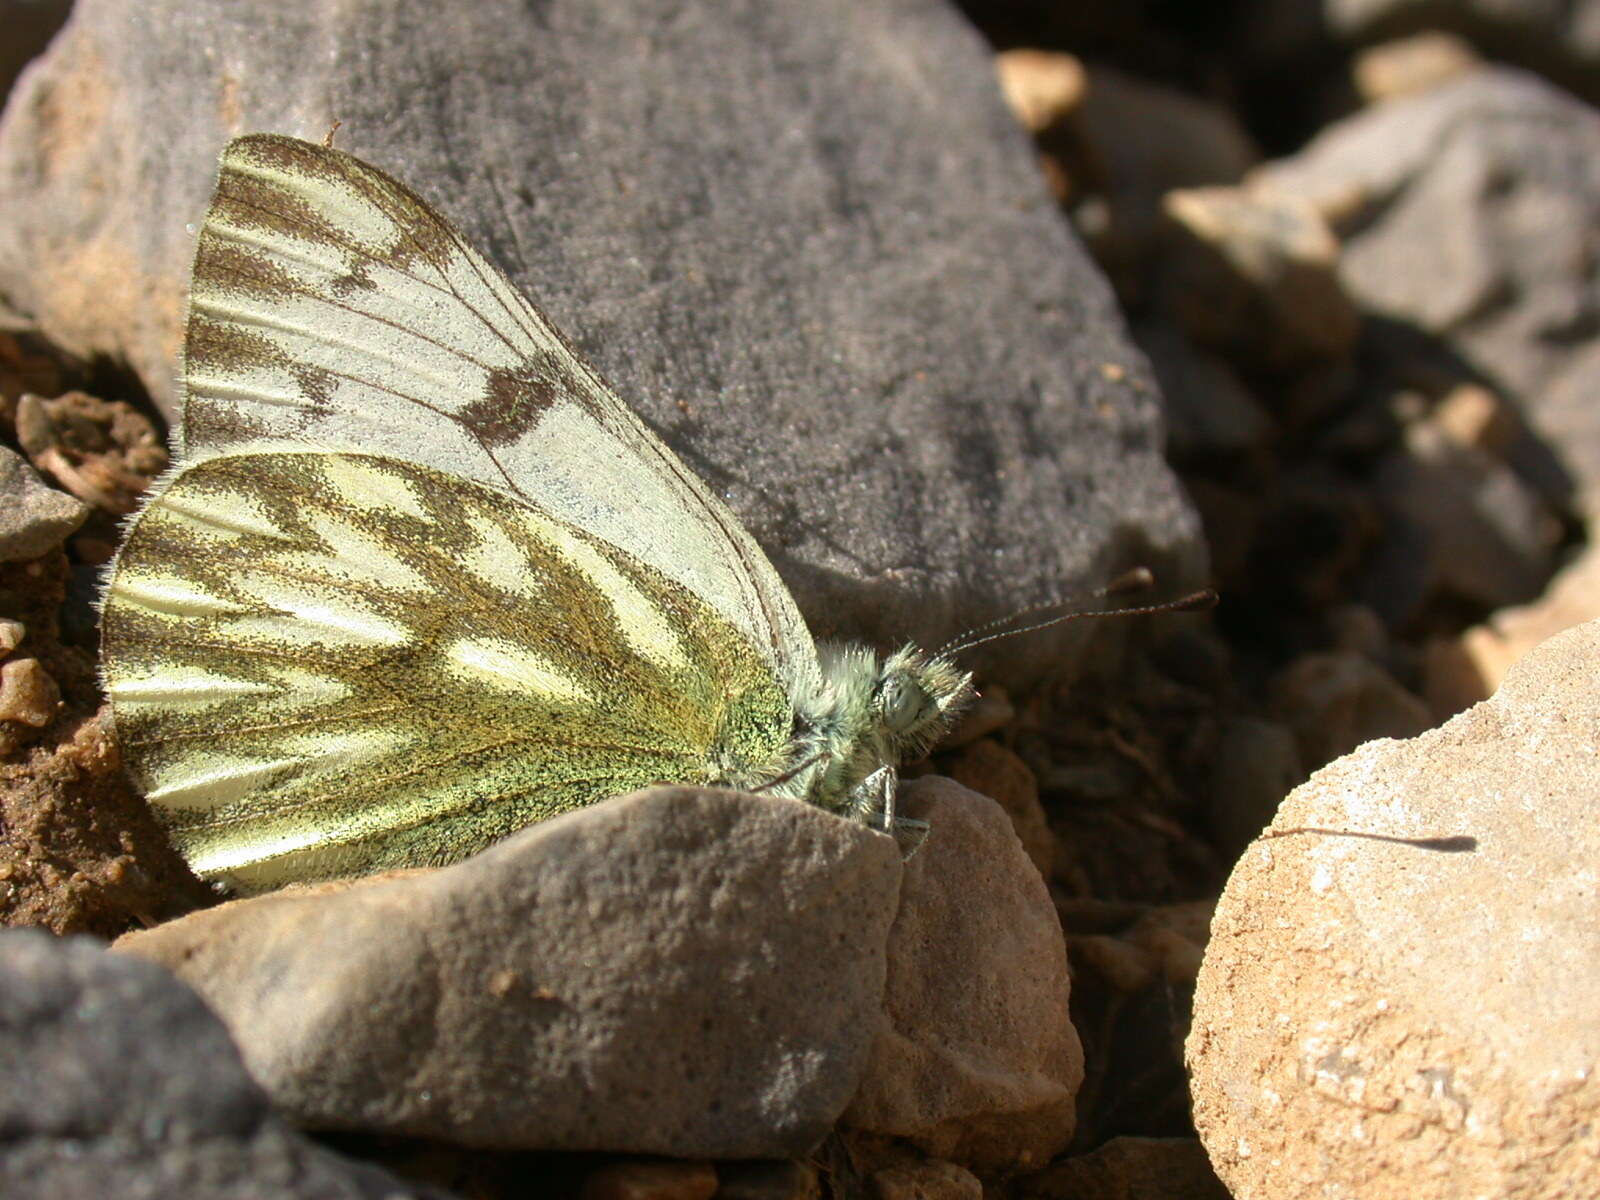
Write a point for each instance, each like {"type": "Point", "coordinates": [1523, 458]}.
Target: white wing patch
{"type": "Point", "coordinates": [503, 664]}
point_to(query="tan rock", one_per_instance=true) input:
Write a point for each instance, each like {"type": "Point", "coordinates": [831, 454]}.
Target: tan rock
{"type": "Point", "coordinates": [1413, 64]}
{"type": "Point", "coordinates": [686, 972]}
{"type": "Point", "coordinates": [1041, 86]}
{"type": "Point", "coordinates": [991, 770]}
{"type": "Point", "coordinates": [28, 696]}
{"type": "Point", "coordinates": [1461, 671]}
{"type": "Point", "coordinates": [1379, 1018]}
{"type": "Point", "coordinates": [981, 1063]}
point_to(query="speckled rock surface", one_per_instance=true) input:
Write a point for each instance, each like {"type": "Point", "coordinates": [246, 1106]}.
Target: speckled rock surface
{"type": "Point", "coordinates": [693, 973]}
{"type": "Point", "coordinates": [981, 1063]}
{"type": "Point", "coordinates": [808, 243]}
{"type": "Point", "coordinates": [1379, 1018]}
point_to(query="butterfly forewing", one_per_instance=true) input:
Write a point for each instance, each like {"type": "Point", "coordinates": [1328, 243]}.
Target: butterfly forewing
{"type": "Point", "coordinates": [322, 664]}
{"type": "Point", "coordinates": [331, 306]}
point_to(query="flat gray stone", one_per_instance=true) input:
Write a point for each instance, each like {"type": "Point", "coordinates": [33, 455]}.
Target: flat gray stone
{"type": "Point", "coordinates": [34, 517]}
{"type": "Point", "coordinates": [808, 243]}
{"type": "Point", "coordinates": [116, 1081]}
{"type": "Point", "coordinates": [681, 972]}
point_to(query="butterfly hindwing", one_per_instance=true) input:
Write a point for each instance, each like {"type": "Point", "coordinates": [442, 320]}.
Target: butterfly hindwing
{"type": "Point", "coordinates": [332, 306]}
{"type": "Point", "coordinates": [326, 663]}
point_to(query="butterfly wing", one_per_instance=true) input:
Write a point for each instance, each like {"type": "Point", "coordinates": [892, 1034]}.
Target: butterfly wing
{"type": "Point", "coordinates": [332, 306]}
{"type": "Point", "coordinates": [324, 664]}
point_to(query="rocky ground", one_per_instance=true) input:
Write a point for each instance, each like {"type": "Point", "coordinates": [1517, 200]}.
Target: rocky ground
{"type": "Point", "coordinates": [963, 311]}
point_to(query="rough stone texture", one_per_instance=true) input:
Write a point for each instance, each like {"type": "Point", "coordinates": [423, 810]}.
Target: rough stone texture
{"type": "Point", "coordinates": [808, 242]}
{"type": "Point", "coordinates": [1467, 211]}
{"type": "Point", "coordinates": [34, 517]}
{"type": "Point", "coordinates": [1377, 1019]}
{"type": "Point", "coordinates": [693, 973]}
{"type": "Point", "coordinates": [980, 1063]}
{"type": "Point", "coordinates": [116, 1081]}
{"type": "Point", "coordinates": [1129, 1168]}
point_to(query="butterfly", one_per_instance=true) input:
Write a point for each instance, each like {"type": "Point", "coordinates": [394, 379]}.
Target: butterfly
{"type": "Point", "coordinates": [419, 578]}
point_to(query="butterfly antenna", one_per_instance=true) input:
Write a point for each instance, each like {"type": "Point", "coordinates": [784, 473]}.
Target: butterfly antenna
{"type": "Point", "coordinates": [1139, 577]}
{"type": "Point", "coordinates": [1130, 581]}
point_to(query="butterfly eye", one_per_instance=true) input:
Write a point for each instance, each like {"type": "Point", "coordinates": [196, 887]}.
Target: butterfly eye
{"type": "Point", "coordinates": [903, 703]}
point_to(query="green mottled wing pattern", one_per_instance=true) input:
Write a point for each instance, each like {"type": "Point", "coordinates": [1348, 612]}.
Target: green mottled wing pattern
{"type": "Point", "coordinates": [323, 664]}
{"type": "Point", "coordinates": [332, 307]}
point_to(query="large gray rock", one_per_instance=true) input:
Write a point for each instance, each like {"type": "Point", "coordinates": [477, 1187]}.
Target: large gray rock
{"type": "Point", "coordinates": [807, 242]}
{"type": "Point", "coordinates": [115, 1080]}
{"type": "Point", "coordinates": [1386, 1018]}
{"type": "Point", "coordinates": [693, 973]}
{"type": "Point", "coordinates": [1468, 212]}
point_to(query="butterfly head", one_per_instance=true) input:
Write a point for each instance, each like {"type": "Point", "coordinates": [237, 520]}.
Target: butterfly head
{"type": "Point", "coordinates": [917, 697]}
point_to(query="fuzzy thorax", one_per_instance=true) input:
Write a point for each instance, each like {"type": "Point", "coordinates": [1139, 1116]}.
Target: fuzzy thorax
{"type": "Point", "coordinates": [868, 715]}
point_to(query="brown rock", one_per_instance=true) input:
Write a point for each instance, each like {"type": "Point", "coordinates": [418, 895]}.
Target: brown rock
{"type": "Point", "coordinates": [1393, 1018]}
{"type": "Point", "coordinates": [1334, 702]}
{"type": "Point", "coordinates": [28, 696]}
{"type": "Point", "coordinates": [980, 1063]}
{"type": "Point", "coordinates": [687, 972]}
{"type": "Point", "coordinates": [989, 769]}
{"type": "Point", "coordinates": [79, 851]}
{"type": "Point", "coordinates": [103, 452]}
{"type": "Point", "coordinates": [786, 1180]}
{"type": "Point", "coordinates": [1129, 1168]}
{"type": "Point", "coordinates": [931, 1179]}
{"type": "Point", "coordinates": [651, 1181]}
